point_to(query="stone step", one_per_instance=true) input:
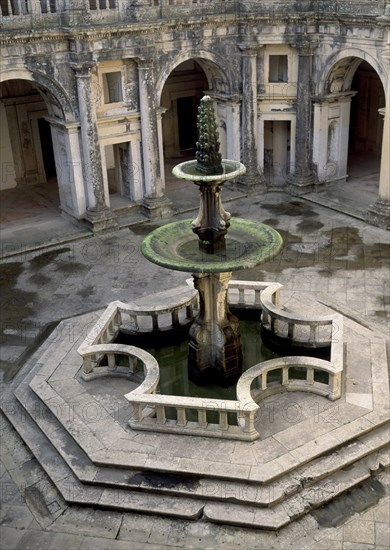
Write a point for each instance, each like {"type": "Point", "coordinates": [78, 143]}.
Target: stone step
{"type": "Point", "coordinates": [76, 492]}
{"type": "Point", "coordinates": [297, 505]}
{"type": "Point", "coordinates": [179, 484]}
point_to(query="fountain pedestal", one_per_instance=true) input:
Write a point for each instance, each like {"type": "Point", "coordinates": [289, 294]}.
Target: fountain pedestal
{"type": "Point", "coordinates": [214, 353]}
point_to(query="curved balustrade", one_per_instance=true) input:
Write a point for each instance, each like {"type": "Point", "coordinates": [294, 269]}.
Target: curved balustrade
{"type": "Point", "coordinates": [303, 330]}
{"type": "Point", "coordinates": [235, 419]}
{"type": "Point", "coordinates": [92, 367]}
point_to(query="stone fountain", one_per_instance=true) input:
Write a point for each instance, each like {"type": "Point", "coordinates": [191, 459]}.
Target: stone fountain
{"type": "Point", "coordinates": [205, 248]}
{"type": "Point", "coordinates": [70, 408]}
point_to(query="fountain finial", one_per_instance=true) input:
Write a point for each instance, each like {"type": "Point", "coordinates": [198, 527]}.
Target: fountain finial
{"type": "Point", "coordinates": [209, 159]}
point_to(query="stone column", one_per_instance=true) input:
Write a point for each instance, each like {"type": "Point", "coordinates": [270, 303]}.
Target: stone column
{"type": "Point", "coordinates": [233, 129]}
{"type": "Point", "coordinates": [214, 353]}
{"type": "Point", "coordinates": [67, 154]}
{"type": "Point", "coordinates": [155, 204]}
{"type": "Point", "coordinates": [302, 178]}
{"type": "Point", "coordinates": [379, 213]}
{"type": "Point", "coordinates": [253, 181]}
{"type": "Point", "coordinates": [98, 215]}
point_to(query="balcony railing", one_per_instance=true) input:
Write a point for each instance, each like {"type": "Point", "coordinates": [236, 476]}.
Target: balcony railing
{"type": "Point", "coordinates": [35, 14]}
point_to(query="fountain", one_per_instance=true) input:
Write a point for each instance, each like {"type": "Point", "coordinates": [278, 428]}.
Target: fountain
{"type": "Point", "coordinates": [205, 248]}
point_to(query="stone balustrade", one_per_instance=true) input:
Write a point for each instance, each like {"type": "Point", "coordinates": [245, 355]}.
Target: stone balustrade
{"type": "Point", "coordinates": [118, 314]}
{"type": "Point", "coordinates": [232, 419]}
{"type": "Point", "coordinates": [236, 420]}
{"type": "Point", "coordinates": [39, 13]}
{"type": "Point", "coordinates": [92, 367]}
{"type": "Point", "coordinates": [301, 330]}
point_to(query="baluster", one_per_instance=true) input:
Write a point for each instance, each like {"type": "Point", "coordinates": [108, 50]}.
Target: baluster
{"type": "Point", "coordinates": [309, 375]}
{"type": "Point", "coordinates": [241, 295]}
{"type": "Point", "coordinates": [87, 364]}
{"type": "Point", "coordinates": [264, 380]}
{"type": "Point", "coordinates": [118, 319]}
{"type": "Point", "coordinates": [223, 420]}
{"type": "Point", "coordinates": [111, 360]}
{"type": "Point", "coordinates": [155, 321]}
{"type": "Point", "coordinates": [135, 322]}
{"type": "Point", "coordinates": [189, 312]}
{"type": "Point", "coordinates": [160, 412]}
{"type": "Point", "coordinates": [290, 330]}
{"type": "Point", "coordinates": [175, 318]}
{"type": "Point", "coordinates": [181, 416]}
{"type": "Point", "coordinates": [285, 376]}
{"type": "Point", "coordinates": [202, 418]}
{"type": "Point", "coordinates": [265, 317]}
{"type": "Point", "coordinates": [257, 297]}
{"type": "Point", "coordinates": [138, 412]}
{"type": "Point", "coordinates": [272, 324]}
{"type": "Point", "coordinates": [313, 329]}
{"type": "Point", "coordinates": [249, 421]}
{"type": "Point", "coordinates": [133, 362]}
{"type": "Point", "coordinates": [334, 385]}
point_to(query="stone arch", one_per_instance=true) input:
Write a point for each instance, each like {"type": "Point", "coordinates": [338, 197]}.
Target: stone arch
{"type": "Point", "coordinates": [43, 147]}
{"type": "Point", "coordinates": [54, 95]}
{"type": "Point", "coordinates": [212, 64]}
{"type": "Point", "coordinates": [340, 68]}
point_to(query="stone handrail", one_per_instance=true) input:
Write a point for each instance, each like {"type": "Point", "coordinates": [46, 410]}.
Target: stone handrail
{"type": "Point", "coordinates": [134, 356]}
{"type": "Point", "coordinates": [242, 427]}
{"type": "Point", "coordinates": [247, 294]}
{"type": "Point", "coordinates": [38, 14]}
{"type": "Point", "coordinates": [236, 419]}
{"type": "Point", "coordinates": [284, 324]}
{"type": "Point", "coordinates": [107, 327]}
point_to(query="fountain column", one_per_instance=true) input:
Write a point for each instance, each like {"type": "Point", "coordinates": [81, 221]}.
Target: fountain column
{"type": "Point", "coordinates": [215, 353]}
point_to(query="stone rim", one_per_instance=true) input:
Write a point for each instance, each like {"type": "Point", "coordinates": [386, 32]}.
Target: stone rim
{"type": "Point", "coordinates": [238, 170]}
{"type": "Point", "coordinates": [160, 245]}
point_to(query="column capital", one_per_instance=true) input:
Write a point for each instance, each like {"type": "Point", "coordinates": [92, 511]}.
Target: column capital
{"type": "Point", "coordinates": [144, 63]}
{"type": "Point", "coordinates": [83, 68]}
{"type": "Point", "coordinates": [249, 49]}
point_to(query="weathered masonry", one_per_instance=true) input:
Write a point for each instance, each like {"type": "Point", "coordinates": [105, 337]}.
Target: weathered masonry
{"type": "Point", "coordinates": [97, 96]}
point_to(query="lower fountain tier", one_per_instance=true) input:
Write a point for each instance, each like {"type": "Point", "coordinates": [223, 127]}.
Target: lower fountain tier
{"type": "Point", "coordinates": [248, 244]}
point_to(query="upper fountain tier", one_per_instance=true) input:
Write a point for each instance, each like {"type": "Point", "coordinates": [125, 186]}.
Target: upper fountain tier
{"type": "Point", "coordinates": [213, 251]}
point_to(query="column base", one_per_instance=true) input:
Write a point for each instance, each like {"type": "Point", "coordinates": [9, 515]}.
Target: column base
{"type": "Point", "coordinates": [222, 366]}
{"type": "Point", "coordinates": [251, 184]}
{"type": "Point", "coordinates": [378, 214]}
{"type": "Point", "coordinates": [300, 185]}
{"type": "Point", "coordinates": [157, 207]}
{"type": "Point", "coordinates": [100, 221]}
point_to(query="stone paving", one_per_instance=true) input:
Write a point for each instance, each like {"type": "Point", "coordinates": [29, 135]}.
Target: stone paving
{"type": "Point", "coordinates": [327, 255]}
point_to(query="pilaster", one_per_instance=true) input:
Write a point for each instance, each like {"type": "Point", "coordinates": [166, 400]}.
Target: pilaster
{"type": "Point", "coordinates": [155, 204]}
{"type": "Point", "coordinates": [379, 213]}
{"type": "Point", "coordinates": [301, 179]}
{"type": "Point", "coordinates": [254, 180]}
{"type": "Point", "coordinates": [98, 215]}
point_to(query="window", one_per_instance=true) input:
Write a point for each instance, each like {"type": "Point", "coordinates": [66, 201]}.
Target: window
{"type": "Point", "coordinates": [278, 68]}
{"type": "Point", "coordinates": [112, 87]}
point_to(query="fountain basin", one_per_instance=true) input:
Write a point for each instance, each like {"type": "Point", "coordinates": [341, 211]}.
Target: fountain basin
{"type": "Point", "coordinates": [188, 171]}
{"type": "Point", "coordinates": [248, 244]}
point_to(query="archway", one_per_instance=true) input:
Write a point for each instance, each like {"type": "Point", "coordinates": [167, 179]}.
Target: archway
{"type": "Point", "coordinates": [366, 122]}
{"type": "Point", "coordinates": [180, 93]}
{"type": "Point", "coordinates": [39, 146]}
{"type": "Point", "coordinates": [348, 128]}
{"type": "Point", "coordinates": [180, 100]}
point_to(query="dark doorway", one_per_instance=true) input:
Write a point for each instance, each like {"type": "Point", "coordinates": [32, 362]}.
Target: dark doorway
{"type": "Point", "coordinates": [186, 115]}
{"type": "Point", "coordinates": [47, 148]}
